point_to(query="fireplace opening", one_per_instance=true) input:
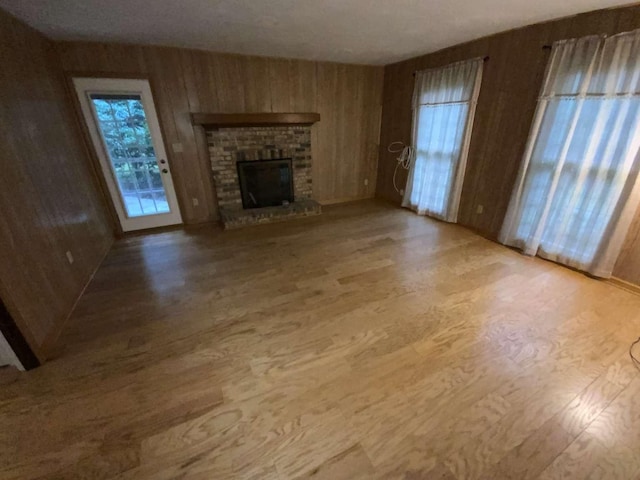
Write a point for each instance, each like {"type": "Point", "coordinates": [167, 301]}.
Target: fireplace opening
{"type": "Point", "coordinates": [265, 183]}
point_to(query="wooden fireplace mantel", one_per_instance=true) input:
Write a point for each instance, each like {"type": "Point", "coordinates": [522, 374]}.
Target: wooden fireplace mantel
{"type": "Point", "coordinates": [217, 120]}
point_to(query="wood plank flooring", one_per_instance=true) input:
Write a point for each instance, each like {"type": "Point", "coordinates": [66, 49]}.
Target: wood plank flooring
{"type": "Point", "coordinates": [366, 343]}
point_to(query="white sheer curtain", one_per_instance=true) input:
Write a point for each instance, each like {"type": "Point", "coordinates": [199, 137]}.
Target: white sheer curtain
{"type": "Point", "coordinates": [444, 101]}
{"type": "Point", "coordinates": [578, 186]}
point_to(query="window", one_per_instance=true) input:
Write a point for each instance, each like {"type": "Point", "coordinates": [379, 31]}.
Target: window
{"type": "Point", "coordinates": [580, 166]}
{"type": "Point", "coordinates": [444, 102]}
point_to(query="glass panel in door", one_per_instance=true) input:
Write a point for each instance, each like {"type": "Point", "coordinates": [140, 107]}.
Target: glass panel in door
{"type": "Point", "coordinates": [124, 129]}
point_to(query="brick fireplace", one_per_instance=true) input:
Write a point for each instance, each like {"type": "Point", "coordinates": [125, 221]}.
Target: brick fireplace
{"type": "Point", "coordinates": [235, 145]}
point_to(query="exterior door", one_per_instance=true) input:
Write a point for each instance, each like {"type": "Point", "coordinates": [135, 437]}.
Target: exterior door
{"type": "Point", "coordinates": [124, 128]}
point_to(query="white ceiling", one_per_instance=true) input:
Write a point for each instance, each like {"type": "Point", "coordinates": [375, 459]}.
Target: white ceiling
{"type": "Point", "coordinates": [352, 31]}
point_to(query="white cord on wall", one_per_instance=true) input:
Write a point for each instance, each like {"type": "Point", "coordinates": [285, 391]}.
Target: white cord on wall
{"type": "Point", "coordinates": [404, 159]}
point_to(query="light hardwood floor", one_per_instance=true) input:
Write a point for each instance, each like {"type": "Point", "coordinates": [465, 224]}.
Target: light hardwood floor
{"type": "Point", "coordinates": [366, 343]}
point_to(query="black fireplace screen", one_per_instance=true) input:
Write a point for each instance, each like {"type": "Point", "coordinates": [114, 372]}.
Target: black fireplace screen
{"type": "Point", "coordinates": [265, 183]}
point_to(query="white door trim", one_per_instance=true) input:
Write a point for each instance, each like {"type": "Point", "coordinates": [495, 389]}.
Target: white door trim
{"type": "Point", "coordinates": [7, 355]}
{"type": "Point", "coordinates": [86, 86]}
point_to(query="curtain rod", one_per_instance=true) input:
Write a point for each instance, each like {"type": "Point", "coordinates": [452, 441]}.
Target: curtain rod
{"type": "Point", "coordinates": [484, 59]}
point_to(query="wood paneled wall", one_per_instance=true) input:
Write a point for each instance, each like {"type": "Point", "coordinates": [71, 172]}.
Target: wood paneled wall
{"type": "Point", "coordinates": [511, 81]}
{"type": "Point", "coordinates": [348, 98]}
{"type": "Point", "coordinates": [48, 196]}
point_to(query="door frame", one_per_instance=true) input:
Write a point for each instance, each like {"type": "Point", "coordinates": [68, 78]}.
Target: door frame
{"type": "Point", "coordinates": [100, 161]}
{"type": "Point", "coordinates": [15, 339]}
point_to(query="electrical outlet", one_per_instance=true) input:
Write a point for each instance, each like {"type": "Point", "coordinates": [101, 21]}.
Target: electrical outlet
{"type": "Point", "coordinates": [195, 201]}
{"type": "Point", "coordinates": [70, 257]}
{"type": "Point", "coordinates": [479, 209]}
{"type": "Point", "coordinates": [366, 182]}
{"type": "Point", "coordinates": [177, 147]}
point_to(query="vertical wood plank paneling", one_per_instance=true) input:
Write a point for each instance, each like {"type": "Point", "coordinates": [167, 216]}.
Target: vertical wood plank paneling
{"type": "Point", "coordinates": [510, 86]}
{"type": "Point", "coordinates": [358, 85]}
{"type": "Point", "coordinates": [201, 98]}
{"type": "Point", "coordinates": [257, 91]}
{"type": "Point", "coordinates": [186, 163]}
{"type": "Point", "coordinates": [325, 152]}
{"type": "Point", "coordinates": [628, 264]}
{"type": "Point", "coordinates": [373, 116]}
{"type": "Point", "coordinates": [344, 148]}
{"type": "Point", "coordinates": [193, 65]}
{"type": "Point", "coordinates": [226, 75]}
{"type": "Point", "coordinates": [347, 96]}
{"type": "Point", "coordinates": [396, 116]}
{"type": "Point", "coordinates": [48, 196]}
{"type": "Point", "coordinates": [353, 177]}
{"type": "Point", "coordinates": [108, 58]}
{"type": "Point", "coordinates": [303, 86]}
{"type": "Point", "coordinates": [279, 85]}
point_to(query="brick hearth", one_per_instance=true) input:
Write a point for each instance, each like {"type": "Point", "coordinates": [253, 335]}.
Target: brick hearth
{"type": "Point", "coordinates": [230, 145]}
